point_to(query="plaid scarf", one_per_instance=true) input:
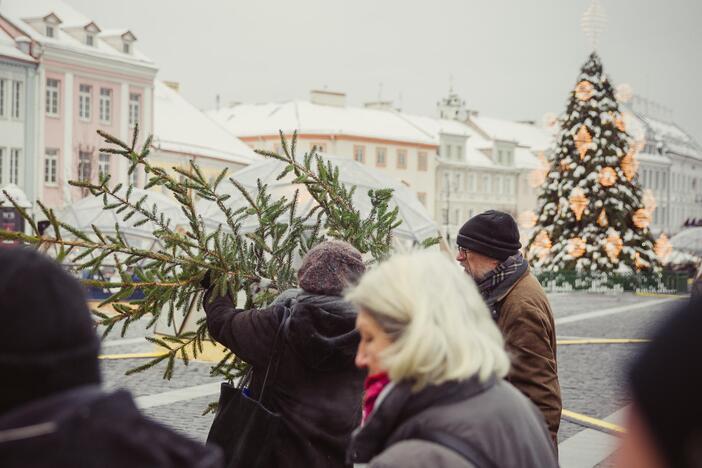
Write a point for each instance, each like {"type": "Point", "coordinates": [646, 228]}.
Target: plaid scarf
{"type": "Point", "coordinates": [499, 281]}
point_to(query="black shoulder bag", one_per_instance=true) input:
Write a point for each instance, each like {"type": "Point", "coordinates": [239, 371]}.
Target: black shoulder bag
{"type": "Point", "coordinates": [243, 428]}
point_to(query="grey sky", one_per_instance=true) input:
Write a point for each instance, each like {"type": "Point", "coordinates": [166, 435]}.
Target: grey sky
{"type": "Point", "coordinates": [509, 58]}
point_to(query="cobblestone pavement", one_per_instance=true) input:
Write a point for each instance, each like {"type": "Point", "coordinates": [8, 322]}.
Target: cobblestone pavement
{"type": "Point", "coordinates": [591, 376]}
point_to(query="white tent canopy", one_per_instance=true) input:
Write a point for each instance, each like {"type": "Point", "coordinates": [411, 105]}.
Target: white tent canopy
{"type": "Point", "coordinates": [688, 240]}
{"type": "Point", "coordinates": [417, 224]}
{"type": "Point", "coordinates": [91, 210]}
{"type": "Point", "coordinates": [17, 195]}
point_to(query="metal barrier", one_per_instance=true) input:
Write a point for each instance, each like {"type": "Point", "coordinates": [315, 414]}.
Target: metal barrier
{"type": "Point", "coordinates": [666, 282]}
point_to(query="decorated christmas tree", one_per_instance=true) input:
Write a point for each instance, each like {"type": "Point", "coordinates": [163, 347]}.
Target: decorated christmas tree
{"type": "Point", "coordinates": [593, 216]}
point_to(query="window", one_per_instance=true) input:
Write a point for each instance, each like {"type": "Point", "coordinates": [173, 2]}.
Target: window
{"type": "Point", "coordinates": [318, 147]}
{"type": "Point", "coordinates": [126, 48]}
{"type": "Point", "coordinates": [402, 159]}
{"type": "Point", "coordinates": [422, 161]}
{"type": "Point", "coordinates": [16, 99]}
{"type": "Point", "coordinates": [487, 183]}
{"type": "Point", "coordinates": [498, 183]}
{"type": "Point", "coordinates": [459, 152]}
{"type": "Point", "coordinates": [103, 164]}
{"type": "Point", "coordinates": [456, 181]}
{"type": "Point", "coordinates": [422, 196]}
{"type": "Point", "coordinates": [84, 101]}
{"type": "Point", "coordinates": [2, 98]}
{"type": "Point", "coordinates": [14, 165]}
{"type": "Point", "coordinates": [84, 166]}
{"type": "Point", "coordinates": [49, 31]}
{"type": "Point", "coordinates": [359, 153]}
{"type": "Point", "coordinates": [52, 97]}
{"type": "Point", "coordinates": [50, 166]}
{"type": "Point", "coordinates": [456, 215]}
{"type": "Point", "coordinates": [470, 183]}
{"type": "Point", "coordinates": [134, 108]}
{"type": "Point", "coordinates": [2, 158]}
{"type": "Point", "coordinates": [105, 105]}
{"type": "Point", "coordinates": [90, 39]}
{"type": "Point", "coordinates": [448, 151]}
{"type": "Point", "coordinates": [380, 159]}
{"type": "Point", "coordinates": [444, 216]}
{"type": "Point", "coordinates": [509, 184]}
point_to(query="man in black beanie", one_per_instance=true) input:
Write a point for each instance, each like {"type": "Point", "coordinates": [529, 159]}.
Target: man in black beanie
{"type": "Point", "coordinates": [664, 424]}
{"type": "Point", "coordinates": [52, 410]}
{"type": "Point", "coordinates": [488, 250]}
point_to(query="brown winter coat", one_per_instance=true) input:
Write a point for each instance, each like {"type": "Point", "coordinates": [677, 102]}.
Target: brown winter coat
{"type": "Point", "coordinates": [526, 322]}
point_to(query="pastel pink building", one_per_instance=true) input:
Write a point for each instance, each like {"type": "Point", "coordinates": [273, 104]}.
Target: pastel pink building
{"type": "Point", "coordinates": [89, 79]}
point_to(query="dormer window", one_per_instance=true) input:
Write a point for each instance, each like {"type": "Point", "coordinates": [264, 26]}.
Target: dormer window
{"type": "Point", "coordinates": [49, 30]}
{"type": "Point", "coordinates": [90, 39]}
{"type": "Point", "coordinates": [127, 48]}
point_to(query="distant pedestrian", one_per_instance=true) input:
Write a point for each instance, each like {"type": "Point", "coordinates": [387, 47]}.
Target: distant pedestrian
{"type": "Point", "coordinates": [435, 394]}
{"type": "Point", "coordinates": [488, 250]}
{"type": "Point", "coordinates": [52, 410]}
{"type": "Point", "coordinates": [317, 390]}
{"type": "Point", "coordinates": [664, 424]}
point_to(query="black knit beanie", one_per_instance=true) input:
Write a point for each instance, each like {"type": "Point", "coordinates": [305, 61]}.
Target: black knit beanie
{"type": "Point", "coordinates": [48, 342]}
{"type": "Point", "coordinates": [666, 385]}
{"type": "Point", "coordinates": [493, 233]}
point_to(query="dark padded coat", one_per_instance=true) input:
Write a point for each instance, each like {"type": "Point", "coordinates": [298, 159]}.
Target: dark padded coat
{"type": "Point", "coordinates": [317, 389]}
{"type": "Point", "coordinates": [88, 428]}
{"type": "Point", "coordinates": [492, 417]}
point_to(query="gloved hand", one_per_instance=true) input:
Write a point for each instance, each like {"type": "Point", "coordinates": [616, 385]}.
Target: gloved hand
{"type": "Point", "coordinates": [206, 280]}
{"type": "Point", "coordinates": [260, 286]}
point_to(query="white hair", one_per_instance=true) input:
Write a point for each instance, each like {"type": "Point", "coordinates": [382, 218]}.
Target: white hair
{"type": "Point", "coordinates": [439, 325]}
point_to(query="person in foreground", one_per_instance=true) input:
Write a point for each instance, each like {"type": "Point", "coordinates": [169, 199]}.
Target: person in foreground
{"type": "Point", "coordinates": [317, 389]}
{"type": "Point", "coordinates": [435, 395]}
{"type": "Point", "coordinates": [488, 251]}
{"type": "Point", "coordinates": [664, 423]}
{"type": "Point", "coordinates": [52, 410]}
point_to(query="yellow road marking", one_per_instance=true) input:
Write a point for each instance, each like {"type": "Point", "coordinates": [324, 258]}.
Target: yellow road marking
{"type": "Point", "coordinates": [648, 294]}
{"type": "Point", "coordinates": [601, 341]}
{"type": "Point", "coordinates": [592, 421]}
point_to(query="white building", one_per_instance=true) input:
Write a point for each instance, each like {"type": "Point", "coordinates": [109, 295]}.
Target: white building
{"type": "Point", "coordinates": [377, 135]}
{"type": "Point", "coordinates": [670, 165]}
{"type": "Point", "coordinates": [183, 133]}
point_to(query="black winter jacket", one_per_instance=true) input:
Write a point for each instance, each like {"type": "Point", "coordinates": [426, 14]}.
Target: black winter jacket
{"type": "Point", "coordinates": [317, 389]}
{"type": "Point", "coordinates": [88, 428]}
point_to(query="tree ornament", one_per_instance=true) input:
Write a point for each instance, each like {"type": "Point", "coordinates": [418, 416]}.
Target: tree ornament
{"type": "Point", "coordinates": [541, 246]}
{"type": "Point", "coordinates": [584, 90]}
{"type": "Point", "coordinates": [607, 177]}
{"type": "Point", "coordinates": [649, 201]}
{"type": "Point", "coordinates": [630, 165]}
{"type": "Point", "coordinates": [583, 140]}
{"type": "Point", "coordinates": [613, 246]}
{"type": "Point", "coordinates": [576, 247]}
{"type": "Point", "coordinates": [602, 219]}
{"type": "Point", "coordinates": [624, 93]}
{"type": "Point", "coordinates": [565, 165]}
{"type": "Point", "coordinates": [578, 202]}
{"type": "Point", "coordinates": [619, 123]}
{"type": "Point", "coordinates": [641, 218]}
{"type": "Point", "coordinates": [639, 262]}
{"type": "Point", "coordinates": [527, 219]}
{"type": "Point", "coordinates": [538, 176]}
{"type": "Point", "coordinates": [663, 248]}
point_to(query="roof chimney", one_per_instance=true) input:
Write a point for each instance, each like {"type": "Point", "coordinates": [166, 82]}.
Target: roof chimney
{"type": "Point", "coordinates": [328, 98]}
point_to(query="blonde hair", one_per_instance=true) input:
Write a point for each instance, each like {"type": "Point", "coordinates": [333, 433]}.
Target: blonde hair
{"type": "Point", "coordinates": [440, 327]}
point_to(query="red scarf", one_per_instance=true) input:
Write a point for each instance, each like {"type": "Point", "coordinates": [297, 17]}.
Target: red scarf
{"type": "Point", "coordinates": [373, 386]}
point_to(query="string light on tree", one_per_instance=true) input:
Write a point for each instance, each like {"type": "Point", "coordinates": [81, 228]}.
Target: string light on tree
{"type": "Point", "coordinates": [641, 218]}
{"type": "Point", "coordinates": [541, 246]}
{"type": "Point", "coordinates": [527, 219]}
{"type": "Point", "coordinates": [608, 177]}
{"type": "Point", "coordinates": [663, 248]}
{"type": "Point", "coordinates": [649, 201]}
{"type": "Point", "coordinates": [613, 245]}
{"type": "Point", "coordinates": [602, 219]}
{"type": "Point", "coordinates": [630, 165]}
{"type": "Point", "coordinates": [583, 140]}
{"type": "Point", "coordinates": [584, 90]}
{"type": "Point", "coordinates": [578, 202]}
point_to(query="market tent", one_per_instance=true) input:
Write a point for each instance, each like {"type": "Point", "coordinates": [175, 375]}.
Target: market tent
{"type": "Point", "coordinates": [688, 240]}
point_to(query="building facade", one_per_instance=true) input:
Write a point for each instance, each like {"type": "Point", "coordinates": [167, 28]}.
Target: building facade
{"type": "Point", "coordinates": [89, 79]}
{"type": "Point", "coordinates": [18, 116]}
{"type": "Point", "coordinates": [376, 134]}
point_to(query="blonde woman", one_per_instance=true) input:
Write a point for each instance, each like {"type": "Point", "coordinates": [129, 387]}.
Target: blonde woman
{"type": "Point", "coordinates": [435, 395]}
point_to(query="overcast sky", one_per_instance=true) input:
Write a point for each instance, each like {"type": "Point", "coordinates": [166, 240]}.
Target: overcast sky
{"type": "Point", "coordinates": [509, 58]}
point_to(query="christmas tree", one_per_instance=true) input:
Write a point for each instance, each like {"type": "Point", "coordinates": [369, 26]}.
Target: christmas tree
{"type": "Point", "coordinates": [169, 275]}
{"type": "Point", "coordinates": [592, 216]}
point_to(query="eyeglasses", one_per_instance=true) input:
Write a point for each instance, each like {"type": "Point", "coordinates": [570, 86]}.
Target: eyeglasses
{"type": "Point", "coordinates": [462, 250]}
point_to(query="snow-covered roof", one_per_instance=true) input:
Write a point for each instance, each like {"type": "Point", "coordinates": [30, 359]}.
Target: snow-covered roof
{"type": "Point", "coordinates": [23, 12]}
{"type": "Point", "coordinates": [247, 120]}
{"type": "Point", "coordinates": [525, 158]}
{"type": "Point", "coordinates": [16, 193]}
{"type": "Point", "coordinates": [522, 134]}
{"type": "Point", "coordinates": [181, 127]}
{"type": "Point", "coordinates": [9, 49]}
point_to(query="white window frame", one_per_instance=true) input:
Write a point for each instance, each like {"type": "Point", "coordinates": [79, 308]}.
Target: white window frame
{"type": "Point", "coordinates": [85, 92]}
{"type": "Point", "coordinates": [134, 108]}
{"type": "Point", "coordinates": [85, 160]}
{"type": "Point", "coordinates": [53, 97]}
{"type": "Point", "coordinates": [127, 47]}
{"type": "Point", "coordinates": [15, 166]}
{"type": "Point", "coordinates": [16, 91]}
{"type": "Point", "coordinates": [90, 39]}
{"type": "Point", "coordinates": [359, 153]}
{"type": "Point", "coordinates": [487, 183]}
{"type": "Point", "coordinates": [381, 156]}
{"type": "Point", "coordinates": [50, 30]}
{"type": "Point", "coordinates": [470, 183]}
{"type": "Point", "coordinates": [3, 98]}
{"type": "Point", "coordinates": [498, 183]}
{"type": "Point", "coordinates": [106, 105]}
{"type": "Point", "coordinates": [51, 166]}
{"type": "Point", "coordinates": [103, 164]}
{"type": "Point", "coordinates": [401, 162]}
